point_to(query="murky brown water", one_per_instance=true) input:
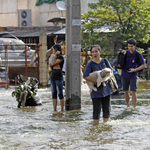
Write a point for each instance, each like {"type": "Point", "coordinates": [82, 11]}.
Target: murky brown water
{"type": "Point", "coordinates": [36, 128]}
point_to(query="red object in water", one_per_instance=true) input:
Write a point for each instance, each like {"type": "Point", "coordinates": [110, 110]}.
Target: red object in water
{"type": "Point", "coordinates": [4, 82]}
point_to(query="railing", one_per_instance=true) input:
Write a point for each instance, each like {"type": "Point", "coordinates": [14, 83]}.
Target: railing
{"type": "Point", "coordinates": [86, 57]}
{"type": "Point", "coordinates": [14, 62]}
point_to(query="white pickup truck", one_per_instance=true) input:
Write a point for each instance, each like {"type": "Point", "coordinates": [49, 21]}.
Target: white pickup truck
{"type": "Point", "coordinates": [16, 52]}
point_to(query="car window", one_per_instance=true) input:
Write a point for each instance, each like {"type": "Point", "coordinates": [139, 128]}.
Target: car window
{"type": "Point", "coordinates": [9, 47]}
{"type": "Point", "coordinates": [8, 42]}
{"type": "Point", "coordinates": [12, 45]}
{"type": "Point", "coordinates": [1, 46]}
{"type": "Point", "coordinates": [19, 45]}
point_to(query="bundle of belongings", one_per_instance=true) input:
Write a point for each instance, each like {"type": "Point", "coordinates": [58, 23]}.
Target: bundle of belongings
{"type": "Point", "coordinates": [26, 92]}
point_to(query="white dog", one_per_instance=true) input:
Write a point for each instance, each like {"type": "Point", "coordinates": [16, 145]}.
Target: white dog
{"type": "Point", "coordinates": [101, 77]}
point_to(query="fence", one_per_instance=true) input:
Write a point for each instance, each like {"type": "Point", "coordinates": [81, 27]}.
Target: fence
{"type": "Point", "coordinates": [18, 59]}
{"type": "Point", "coordinates": [145, 74]}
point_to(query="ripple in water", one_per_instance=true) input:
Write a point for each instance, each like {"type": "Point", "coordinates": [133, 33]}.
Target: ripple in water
{"type": "Point", "coordinates": [39, 128]}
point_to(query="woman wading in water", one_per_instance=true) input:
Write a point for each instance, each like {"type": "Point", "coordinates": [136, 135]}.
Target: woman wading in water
{"type": "Point", "coordinates": [101, 97]}
{"type": "Point", "coordinates": [57, 77]}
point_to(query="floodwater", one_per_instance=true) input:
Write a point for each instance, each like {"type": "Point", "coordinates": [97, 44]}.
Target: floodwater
{"type": "Point", "coordinates": [37, 128]}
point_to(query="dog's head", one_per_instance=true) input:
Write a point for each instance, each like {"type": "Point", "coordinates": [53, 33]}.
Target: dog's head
{"type": "Point", "coordinates": [106, 72]}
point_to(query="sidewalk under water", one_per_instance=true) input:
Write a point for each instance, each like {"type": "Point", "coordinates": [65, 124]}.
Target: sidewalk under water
{"type": "Point", "coordinates": [38, 128]}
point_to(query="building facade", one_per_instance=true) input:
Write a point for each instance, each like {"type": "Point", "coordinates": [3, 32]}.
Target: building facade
{"type": "Point", "coordinates": [14, 12]}
{"type": "Point", "coordinates": [30, 23]}
{"type": "Point", "coordinates": [10, 13]}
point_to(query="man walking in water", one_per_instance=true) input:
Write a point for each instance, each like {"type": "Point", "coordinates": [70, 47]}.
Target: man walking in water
{"type": "Point", "coordinates": [130, 72]}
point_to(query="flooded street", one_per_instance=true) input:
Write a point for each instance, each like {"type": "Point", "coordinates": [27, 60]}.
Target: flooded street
{"type": "Point", "coordinates": [37, 128]}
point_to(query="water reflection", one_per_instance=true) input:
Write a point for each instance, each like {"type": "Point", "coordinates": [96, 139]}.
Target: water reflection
{"type": "Point", "coordinates": [41, 128]}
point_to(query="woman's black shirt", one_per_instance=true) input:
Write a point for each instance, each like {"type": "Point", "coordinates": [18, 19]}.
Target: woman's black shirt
{"type": "Point", "coordinates": [57, 73]}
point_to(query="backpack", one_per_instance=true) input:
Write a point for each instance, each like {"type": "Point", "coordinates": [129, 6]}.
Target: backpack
{"type": "Point", "coordinates": [121, 59]}
{"type": "Point", "coordinates": [137, 60]}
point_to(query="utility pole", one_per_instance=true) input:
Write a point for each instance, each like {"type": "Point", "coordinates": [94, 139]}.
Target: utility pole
{"type": "Point", "coordinates": [73, 52]}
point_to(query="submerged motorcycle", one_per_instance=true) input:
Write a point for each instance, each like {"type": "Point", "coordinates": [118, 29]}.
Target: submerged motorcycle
{"type": "Point", "coordinates": [26, 92]}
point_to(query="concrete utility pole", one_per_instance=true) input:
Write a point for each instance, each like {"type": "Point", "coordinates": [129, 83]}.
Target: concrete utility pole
{"type": "Point", "coordinates": [42, 63]}
{"type": "Point", "coordinates": [73, 51]}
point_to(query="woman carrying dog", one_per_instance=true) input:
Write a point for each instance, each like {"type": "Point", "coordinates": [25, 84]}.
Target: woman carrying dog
{"type": "Point", "coordinates": [57, 77]}
{"type": "Point", "coordinates": [101, 97]}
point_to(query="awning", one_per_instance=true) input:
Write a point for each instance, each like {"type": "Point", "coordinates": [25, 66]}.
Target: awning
{"type": "Point", "coordinates": [29, 31]}
{"type": "Point", "coordinates": [103, 29]}
{"type": "Point", "coordinates": [58, 20]}
{"type": "Point", "coordinates": [25, 34]}
{"type": "Point", "coordinates": [62, 31]}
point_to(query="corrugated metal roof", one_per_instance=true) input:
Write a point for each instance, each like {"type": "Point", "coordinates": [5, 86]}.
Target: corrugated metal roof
{"type": "Point", "coordinates": [62, 31]}
{"type": "Point", "coordinates": [25, 34]}
{"type": "Point", "coordinates": [29, 31]}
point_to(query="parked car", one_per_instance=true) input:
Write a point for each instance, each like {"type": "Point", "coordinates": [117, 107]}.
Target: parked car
{"type": "Point", "coordinates": [16, 52]}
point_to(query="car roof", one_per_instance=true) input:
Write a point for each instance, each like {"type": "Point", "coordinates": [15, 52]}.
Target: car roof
{"type": "Point", "coordinates": [10, 41]}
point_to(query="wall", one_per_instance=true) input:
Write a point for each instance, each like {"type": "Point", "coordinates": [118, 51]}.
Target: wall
{"type": "Point", "coordinates": [84, 5]}
{"type": "Point", "coordinates": [40, 14]}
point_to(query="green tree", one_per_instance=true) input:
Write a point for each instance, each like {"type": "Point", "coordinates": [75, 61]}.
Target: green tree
{"type": "Point", "coordinates": [125, 18]}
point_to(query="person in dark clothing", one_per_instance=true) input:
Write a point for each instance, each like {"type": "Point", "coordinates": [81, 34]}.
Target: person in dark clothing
{"type": "Point", "coordinates": [130, 72]}
{"type": "Point", "coordinates": [115, 60]}
{"type": "Point", "coordinates": [57, 77]}
{"type": "Point", "coordinates": [100, 98]}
